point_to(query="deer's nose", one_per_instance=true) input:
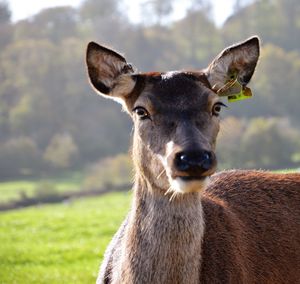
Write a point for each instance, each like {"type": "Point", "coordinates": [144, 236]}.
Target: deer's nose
{"type": "Point", "coordinates": [194, 162]}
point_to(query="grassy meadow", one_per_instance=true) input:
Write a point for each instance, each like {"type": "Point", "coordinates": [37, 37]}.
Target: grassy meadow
{"type": "Point", "coordinates": [62, 243]}
{"type": "Point", "coordinates": [12, 190]}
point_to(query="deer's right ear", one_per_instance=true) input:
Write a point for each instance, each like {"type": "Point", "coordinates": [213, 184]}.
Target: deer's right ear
{"type": "Point", "coordinates": [109, 72]}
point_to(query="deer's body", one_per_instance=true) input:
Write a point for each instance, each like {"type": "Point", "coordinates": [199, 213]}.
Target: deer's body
{"type": "Point", "coordinates": [187, 224]}
{"type": "Point", "coordinates": [246, 232]}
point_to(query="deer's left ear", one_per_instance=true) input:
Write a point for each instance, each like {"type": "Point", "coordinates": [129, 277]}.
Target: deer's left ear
{"type": "Point", "coordinates": [109, 72]}
{"type": "Point", "coordinates": [235, 62]}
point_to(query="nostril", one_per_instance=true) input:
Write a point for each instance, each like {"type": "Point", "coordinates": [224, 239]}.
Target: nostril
{"type": "Point", "coordinates": [207, 160]}
{"type": "Point", "coordinates": [206, 156]}
{"type": "Point", "coordinates": [183, 158]}
{"type": "Point", "coordinates": [182, 161]}
{"type": "Point", "coordinates": [195, 161]}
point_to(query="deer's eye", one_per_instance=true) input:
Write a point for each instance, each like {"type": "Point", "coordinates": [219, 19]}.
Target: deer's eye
{"type": "Point", "coordinates": [217, 108]}
{"type": "Point", "coordinates": [141, 112]}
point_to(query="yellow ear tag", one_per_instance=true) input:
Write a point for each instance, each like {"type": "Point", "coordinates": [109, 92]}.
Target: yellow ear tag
{"type": "Point", "coordinates": [234, 90]}
{"type": "Point", "coordinates": [245, 93]}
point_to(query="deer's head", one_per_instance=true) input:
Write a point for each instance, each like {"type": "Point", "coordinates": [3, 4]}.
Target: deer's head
{"type": "Point", "coordinates": [175, 114]}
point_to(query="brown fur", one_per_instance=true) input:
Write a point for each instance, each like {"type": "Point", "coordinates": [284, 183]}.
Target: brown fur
{"type": "Point", "coordinates": [252, 228]}
{"type": "Point", "coordinates": [236, 227]}
{"type": "Point", "coordinates": [251, 233]}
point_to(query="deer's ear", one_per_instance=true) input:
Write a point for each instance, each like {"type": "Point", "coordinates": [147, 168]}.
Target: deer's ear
{"type": "Point", "coordinates": [235, 62]}
{"type": "Point", "coordinates": [109, 72]}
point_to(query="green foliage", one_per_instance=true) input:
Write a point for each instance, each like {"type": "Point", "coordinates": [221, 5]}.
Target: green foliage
{"type": "Point", "coordinates": [117, 170]}
{"type": "Point", "coordinates": [15, 154]}
{"type": "Point", "coordinates": [54, 24]}
{"type": "Point", "coordinates": [270, 146]}
{"type": "Point", "coordinates": [258, 143]}
{"type": "Point", "coordinates": [61, 150]}
{"type": "Point", "coordinates": [189, 35]}
{"type": "Point", "coordinates": [277, 22]}
{"type": "Point", "coordinates": [56, 243]}
{"type": "Point", "coordinates": [229, 142]}
{"type": "Point", "coordinates": [45, 189]}
{"type": "Point", "coordinates": [156, 11]}
{"type": "Point", "coordinates": [44, 92]}
{"type": "Point", "coordinates": [278, 95]}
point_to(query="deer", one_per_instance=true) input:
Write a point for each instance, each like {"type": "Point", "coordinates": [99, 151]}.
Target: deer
{"type": "Point", "coordinates": [189, 223]}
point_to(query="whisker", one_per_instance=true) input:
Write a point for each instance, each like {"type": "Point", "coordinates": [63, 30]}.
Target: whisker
{"type": "Point", "coordinates": [169, 154]}
{"type": "Point", "coordinates": [168, 190]}
{"type": "Point", "coordinates": [173, 196]}
{"type": "Point", "coordinates": [161, 174]}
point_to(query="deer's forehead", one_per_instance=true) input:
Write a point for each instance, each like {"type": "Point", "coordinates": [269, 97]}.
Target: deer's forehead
{"type": "Point", "coordinates": [177, 91]}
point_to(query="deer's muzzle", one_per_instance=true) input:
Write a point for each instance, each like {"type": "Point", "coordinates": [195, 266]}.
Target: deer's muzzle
{"type": "Point", "coordinates": [195, 164]}
{"type": "Point", "coordinates": [188, 167]}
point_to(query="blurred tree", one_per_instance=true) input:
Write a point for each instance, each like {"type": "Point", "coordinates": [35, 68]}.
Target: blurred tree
{"type": "Point", "coordinates": [54, 24]}
{"type": "Point", "coordinates": [156, 42]}
{"type": "Point", "coordinates": [268, 143]}
{"type": "Point", "coordinates": [18, 157]}
{"type": "Point", "coordinates": [45, 190]}
{"type": "Point", "coordinates": [116, 170]}
{"type": "Point", "coordinates": [103, 21]}
{"type": "Point", "coordinates": [57, 23]}
{"type": "Point", "coordinates": [5, 13]}
{"type": "Point", "coordinates": [61, 151]}
{"type": "Point", "coordinates": [229, 150]}
{"type": "Point", "coordinates": [275, 87]}
{"type": "Point", "coordinates": [155, 12]}
{"type": "Point", "coordinates": [45, 95]}
{"type": "Point", "coordinates": [5, 24]}
{"type": "Point", "coordinates": [29, 72]}
{"type": "Point", "coordinates": [277, 83]}
{"type": "Point", "coordinates": [276, 22]}
{"type": "Point", "coordinates": [265, 144]}
{"type": "Point", "coordinates": [201, 5]}
{"type": "Point", "coordinates": [44, 89]}
{"type": "Point", "coordinates": [259, 18]}
{"type": "Point", "coordinates": [93, 10]}
{"type": "Point", "coordinates": [194, 44]}
{"type": "Point", "coordinates": [289, 14]}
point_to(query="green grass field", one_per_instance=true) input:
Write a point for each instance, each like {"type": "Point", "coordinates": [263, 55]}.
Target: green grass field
{"type": "Point", "coordinates": [61, 243]}
{"type": "Point", "coordinates": [12, 190]}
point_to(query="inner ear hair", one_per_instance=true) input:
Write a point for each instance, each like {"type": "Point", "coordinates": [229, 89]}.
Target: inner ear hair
{"type": "Point", "coordinates": [238, 61]}
{"type": "Point", "coordinates": [105, 67]}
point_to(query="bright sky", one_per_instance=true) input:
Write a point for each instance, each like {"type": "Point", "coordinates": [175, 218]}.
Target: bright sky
{"type": "Point", "coordinates": [22, 9]}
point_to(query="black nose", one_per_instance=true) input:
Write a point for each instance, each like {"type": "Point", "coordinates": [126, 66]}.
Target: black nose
{"type": "Point", "coordinates": [194, 162]}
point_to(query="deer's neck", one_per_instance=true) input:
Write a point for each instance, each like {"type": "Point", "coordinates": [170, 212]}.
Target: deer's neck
{"type": "Point", "coordinates": [163, 239]}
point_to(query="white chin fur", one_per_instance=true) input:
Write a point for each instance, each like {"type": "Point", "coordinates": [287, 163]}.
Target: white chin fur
{"type": "Point", "coordinates": [181, 186]}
